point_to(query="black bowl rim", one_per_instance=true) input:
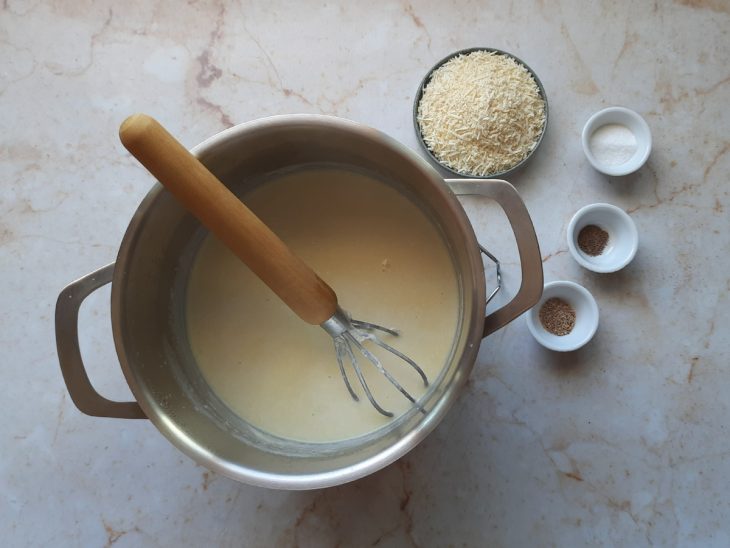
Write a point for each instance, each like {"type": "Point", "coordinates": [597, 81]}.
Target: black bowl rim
{"type": "Point", "coordinates": [427, 79]}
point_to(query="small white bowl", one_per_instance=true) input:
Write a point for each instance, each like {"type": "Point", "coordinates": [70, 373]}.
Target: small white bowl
{"type": "Point", "coordinates": [627, 118]}
{"type": "Point", "coordinates": [586, 317]}
{"type": "Point", "coordinates": [623, 238]}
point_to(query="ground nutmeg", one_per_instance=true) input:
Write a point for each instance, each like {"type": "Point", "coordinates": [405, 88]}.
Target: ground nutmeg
{"type": "Point", "coordinates": [592, 240]}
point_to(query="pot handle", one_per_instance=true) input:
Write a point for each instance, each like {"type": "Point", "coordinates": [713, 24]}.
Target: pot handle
{"type": "Point", "coordinates": [83, 394]}
{"type": "Point", "coordinates": [530, 259]}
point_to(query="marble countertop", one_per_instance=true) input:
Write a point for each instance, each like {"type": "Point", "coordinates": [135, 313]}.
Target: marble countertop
{"type": "Point", "coordinates": [624, 442]}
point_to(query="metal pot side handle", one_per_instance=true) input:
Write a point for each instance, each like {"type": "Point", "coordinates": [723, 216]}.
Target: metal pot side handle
{"type": "Point", "coordinates": [83, 394]}
{"type": "Point", "coordinates": [530, 259]}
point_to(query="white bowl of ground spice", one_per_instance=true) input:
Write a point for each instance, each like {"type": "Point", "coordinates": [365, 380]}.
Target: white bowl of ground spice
{"type": "Point", "coordinates": [480, 112]}
{"type": "Point", "coordinates": [566, 317]}
{"type": "Point", "coordinates": [602, 238]}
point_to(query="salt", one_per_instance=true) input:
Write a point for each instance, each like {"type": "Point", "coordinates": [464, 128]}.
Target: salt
{"type": "Point", "coordinates": [613, 144]}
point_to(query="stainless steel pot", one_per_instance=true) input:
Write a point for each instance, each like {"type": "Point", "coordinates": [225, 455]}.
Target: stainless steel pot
{"type": "Point", "coordinates": [148, 314]}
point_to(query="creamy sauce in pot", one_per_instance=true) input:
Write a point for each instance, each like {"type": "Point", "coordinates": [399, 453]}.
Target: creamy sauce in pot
{"type": "Point", "coordinates": [387, 263]}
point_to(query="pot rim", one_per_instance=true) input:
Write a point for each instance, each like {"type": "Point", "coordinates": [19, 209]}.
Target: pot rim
{"type": "Point", "coordinates": [189, 446]}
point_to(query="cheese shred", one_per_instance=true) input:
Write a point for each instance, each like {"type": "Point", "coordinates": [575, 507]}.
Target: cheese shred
{"type": "Point", "coordinates": [481, 113]}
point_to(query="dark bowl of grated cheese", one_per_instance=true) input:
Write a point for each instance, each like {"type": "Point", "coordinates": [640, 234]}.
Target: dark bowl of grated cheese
{"type": "Point", "coordinates": [480, 113]}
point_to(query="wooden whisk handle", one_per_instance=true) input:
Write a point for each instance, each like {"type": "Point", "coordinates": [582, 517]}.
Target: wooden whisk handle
{"type": "Point", "coordinates": [201, 193]}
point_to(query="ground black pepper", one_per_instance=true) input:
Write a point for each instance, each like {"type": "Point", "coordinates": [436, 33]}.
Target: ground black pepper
{"type": "Point", "coordinates": [557, 316]}
{"type": "Point", "coordinates": [592, 240]}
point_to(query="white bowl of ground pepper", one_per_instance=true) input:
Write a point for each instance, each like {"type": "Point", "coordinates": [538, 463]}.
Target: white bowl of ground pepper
{"type": "Point", "coordinates": [566, 317]}
{"type": "Point", "coordinates": [602, 238]}
{"type": "Point", "coordinates": [616, 141]}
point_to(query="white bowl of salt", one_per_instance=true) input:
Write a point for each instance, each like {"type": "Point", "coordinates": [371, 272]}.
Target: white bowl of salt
{"type": "Point", "coordinates": [616, 141]}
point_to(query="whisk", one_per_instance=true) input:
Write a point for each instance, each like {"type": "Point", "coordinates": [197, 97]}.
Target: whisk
{"type": "Point", "coordinates": [218, 209]}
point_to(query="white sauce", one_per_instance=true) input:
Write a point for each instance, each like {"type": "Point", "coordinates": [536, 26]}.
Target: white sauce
{"type": "Point", "coordinates": [387, 263]}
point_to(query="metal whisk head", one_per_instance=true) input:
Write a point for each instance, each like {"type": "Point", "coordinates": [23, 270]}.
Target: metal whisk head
{"type": "Point", "coordinates": [348, 334]}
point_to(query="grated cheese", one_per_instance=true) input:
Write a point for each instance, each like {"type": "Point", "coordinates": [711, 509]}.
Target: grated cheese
{"type": "Point", "coordinates": [481, 113]}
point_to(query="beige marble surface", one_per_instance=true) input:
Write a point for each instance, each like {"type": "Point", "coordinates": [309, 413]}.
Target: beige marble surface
{"type": "Point", "coordinates": [623, 443]}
